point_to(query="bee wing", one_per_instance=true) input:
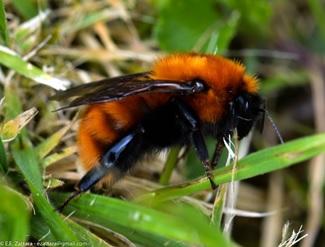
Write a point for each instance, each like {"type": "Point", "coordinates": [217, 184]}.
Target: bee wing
{"type": "Point", "coordinates": [96, 86]}
{"type": "Point", "coordinates": [119, 87]}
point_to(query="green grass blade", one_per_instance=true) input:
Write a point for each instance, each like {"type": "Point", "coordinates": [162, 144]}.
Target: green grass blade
{"type": "Point", "coordinates": [3, 158]}
{"type": "Point", "coordinates": [192, 228]}
{"type": "Point", "coordinates": [169, 165]}
{"type": "Point", "coordinates": [13, 61]}
{"type": "Point", "coordinates": [12, 103]}
{"type": "Point", "coordinates": [51, 142]}
{"type": "Point", "coordinates": [3, 24]}
{"type": "Point", "coordinates": [40, 230]}
{"type": "Point", "coordinates": [261, 162]}
{"type": "Point", "coordinates": [14, 215]}
{"type": "Point", "coordinates": [66, 152]}
{"type": "Point", "coordinates": [223, 34]}
{"type": "Point", "coordinates": [27, 162]}
{"type": "Point", "coordinates": [218, 206]}
{"type": "Point", "coordinates": [136, 236]}
{"type": "Point", "coordinates": [317, 8]}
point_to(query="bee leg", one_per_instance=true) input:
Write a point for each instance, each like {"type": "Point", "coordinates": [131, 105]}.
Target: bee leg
{"type": "Point", "coordinates": [107, 167]}
{"type": "Point", "coordinates": [192, 122]}
{"type": "Point", "coordinates": [108, 164]}
{"type": "Point", "coordinates": [217, 153]}
{"type": "Point", "coordinates": [202, 152]}
{"type": "Point", "coordinates": [67, 200]}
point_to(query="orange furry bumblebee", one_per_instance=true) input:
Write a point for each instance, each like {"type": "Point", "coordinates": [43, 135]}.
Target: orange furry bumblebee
{"type": "Point", "coordinates": [184, 98]}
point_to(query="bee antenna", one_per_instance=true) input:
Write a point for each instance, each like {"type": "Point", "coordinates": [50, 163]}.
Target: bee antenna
{"type": "Point", "coordinates": [66, 202]}
{"type": "Point", "coordinates": [276, 129]}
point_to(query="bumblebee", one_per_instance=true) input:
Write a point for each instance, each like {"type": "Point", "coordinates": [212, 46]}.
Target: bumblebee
{"type": "Point", "coordinates": [183, 99]}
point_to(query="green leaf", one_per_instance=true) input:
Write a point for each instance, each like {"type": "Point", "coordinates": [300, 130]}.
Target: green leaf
{"type": "Point", "coordinates": [179, 27]}
{"type": "Point", "coordinates": [261, 162]}
{"type": "Point", "coordinates": [181, 223]}
{"type": "Point", "coordinates": [255, 15]}
{"type": "Point", "coordinates": [14, 215]}
{"type": "Point", "coordinates": [27, 8]}
{"type": "Point", "coordinates": [3, 24]}
{"type": "Point", "coordinates": [13, 61]}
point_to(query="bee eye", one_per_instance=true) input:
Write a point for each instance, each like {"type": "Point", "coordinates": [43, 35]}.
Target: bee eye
{"type": "Point", "coordinates": [199, 84]}
{"type": "Point", "coordinates": [246, 109]}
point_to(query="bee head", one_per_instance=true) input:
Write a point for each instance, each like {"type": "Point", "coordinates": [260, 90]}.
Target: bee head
{"type": "Point", "coordinates": [245, 110]}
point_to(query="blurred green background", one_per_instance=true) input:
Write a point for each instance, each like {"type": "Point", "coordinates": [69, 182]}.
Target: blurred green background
{"type": "Point", "coordinates": [47, 45]}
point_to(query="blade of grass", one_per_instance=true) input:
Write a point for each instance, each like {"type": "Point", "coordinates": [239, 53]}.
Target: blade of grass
{"type": "Point", "coordinates": [218, 206]}
{"type": "Point", "coordinates": [317, 8]}
{"type": "Point", "coordinates": [66, 152]}
{"type": "Point", "coordinates": [3, 158]}
{"type": "Point", "coordinates": [223, 35]}
{"type": "Point", "coordinates": [3, 24]}
{"type": "Point", "coordinates": [14, 212]}
{"type": "Point", "coordinates": [142, 238]}
{"type": "Point", "coordinates": [13, 61]}
{"type": "Point", "coordinates": [255, 164]}
{"type": "Point", "coordinates": [189, 228]}
{"type": "Point", "coordinates": [41, 231]}
{"type": "Point", "coordinates": [50, 143]}
{"type": "Point", "coordinates": [12, 104]}
{"type": "Point", "coordinates": [27, 162]}
{"type": "Point", "coordinates": [169, 166]}
{"type": "Point", "coordinates": [135, 235]}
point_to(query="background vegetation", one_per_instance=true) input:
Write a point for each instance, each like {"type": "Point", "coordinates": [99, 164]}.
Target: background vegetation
{"type": "Point", "coordinates": [47, 45]}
